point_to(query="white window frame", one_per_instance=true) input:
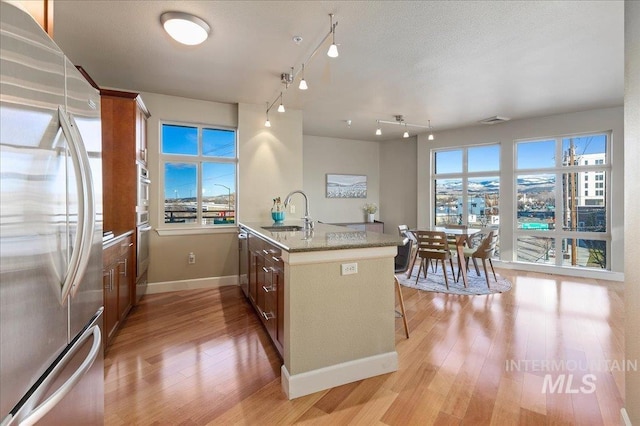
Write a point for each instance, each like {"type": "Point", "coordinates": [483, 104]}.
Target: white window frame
{"type": "Point", "coordinates": [197, 160]}
{"type": "Point", "coordinates": [464, 175]}
{"type": "Point", "coordinates": [558, 170]}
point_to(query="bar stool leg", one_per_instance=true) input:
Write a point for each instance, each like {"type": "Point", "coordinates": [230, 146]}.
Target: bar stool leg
{"type": "Point", "coordinates": [404, 315]}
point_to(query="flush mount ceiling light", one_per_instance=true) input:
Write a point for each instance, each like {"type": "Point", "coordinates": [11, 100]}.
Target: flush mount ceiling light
{"type": "Point", "coordinates": [400, 121]}
{"type": "Point", "coordinates": [185, 28]}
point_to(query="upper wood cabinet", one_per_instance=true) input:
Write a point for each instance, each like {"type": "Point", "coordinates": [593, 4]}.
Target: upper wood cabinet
{"type": "Point", "coordinates": [41, 10]}
{"type": "Point", "coordinates": [124, 122]}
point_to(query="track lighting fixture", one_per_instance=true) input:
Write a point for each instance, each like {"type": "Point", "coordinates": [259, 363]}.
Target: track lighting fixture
{"type": "Point", "coordinates": [185, 28]}
{"type": "Point", "coordinates": [303, 82]}
{"type": "Point", "coordinates": [267, 123]}
{"type": "Point", "coordinates": [400, 121]}
{"type": "Point", "coordinates": [281, 107]}
{"type": "Point", "coordinates": [333, 49]}
{"type": "Point", "coordinates": [288, 78]}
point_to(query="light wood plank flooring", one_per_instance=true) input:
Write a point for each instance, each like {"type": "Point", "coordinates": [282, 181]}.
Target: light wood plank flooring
{"type": "Point", "coordinates": [201, 357]}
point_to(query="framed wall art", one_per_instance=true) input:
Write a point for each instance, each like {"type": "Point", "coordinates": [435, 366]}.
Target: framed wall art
{"type": "Point", "coordinates": [346, 186]}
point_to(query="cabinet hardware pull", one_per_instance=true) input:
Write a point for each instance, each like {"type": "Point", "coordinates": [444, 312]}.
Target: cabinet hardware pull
{"type": "Point", "coordinates": [265, 251]}
{"type": "Point", "coordinates": [277, 259]}
{"type": "Point", "coordinates": [268, 316]}
{"type": "Point", "coordinates": [268, 289]}
{"type": "Point", "coordinates": [265, 269]}
{"type": "Point", "coordinates": [125, 266]}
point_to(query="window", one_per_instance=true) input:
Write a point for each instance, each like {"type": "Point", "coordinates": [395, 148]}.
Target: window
{"type": "Point", "coordinates": [554, 224]}
{"type": "Point", "coordinates": [200, 168]}
{"type": "Point", "coordinates": [466, 185]}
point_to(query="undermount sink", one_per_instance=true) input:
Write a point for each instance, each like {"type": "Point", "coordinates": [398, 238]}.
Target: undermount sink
{"type": "Point", "coordinates": [283, 228]}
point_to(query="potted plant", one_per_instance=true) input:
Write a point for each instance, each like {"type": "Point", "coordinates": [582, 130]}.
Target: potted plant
{"type": "Point", "coordinates": [370, 209]}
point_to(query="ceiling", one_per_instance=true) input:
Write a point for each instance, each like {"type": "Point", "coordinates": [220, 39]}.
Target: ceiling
{"type": "Point", "coordinates": [450, 62]}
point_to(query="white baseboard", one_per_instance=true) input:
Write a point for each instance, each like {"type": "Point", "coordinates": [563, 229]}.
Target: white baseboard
{"type": "Point", "coordinates": [624, 417]}
{"type": "Point", "coordinates": [598, 274]}
{"type": "Point", "coordinates": [211, 282]}
{"type": "Point", "coordinates": [336, 375]}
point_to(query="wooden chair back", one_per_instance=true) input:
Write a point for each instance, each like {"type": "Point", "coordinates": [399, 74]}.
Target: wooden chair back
{"type": "Point", "coordinates": [487, 246]}
{"type": "Point", "coordinates": [432, 245]}
{"type": "Point", "coordinates": [452, 238]}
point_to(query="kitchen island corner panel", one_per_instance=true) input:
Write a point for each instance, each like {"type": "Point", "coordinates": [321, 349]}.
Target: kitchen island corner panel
{"type": "Point", "coordinates": [337, 328]}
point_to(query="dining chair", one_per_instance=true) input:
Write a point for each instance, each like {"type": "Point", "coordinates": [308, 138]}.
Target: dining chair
{"type": "Point", "coordinates": [402, 262]}
{"type": "Point", "coordinates": [405, 232]}
{"type": "Point", "coordinates": [433, 245]}
{"type": "Point", "coordinates": [484, 251]}
{"type": "Point", "coordinates": [452, 242]}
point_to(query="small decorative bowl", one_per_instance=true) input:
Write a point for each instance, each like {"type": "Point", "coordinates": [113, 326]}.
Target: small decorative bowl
{"type": "Point", "coordinates": [277, 217]}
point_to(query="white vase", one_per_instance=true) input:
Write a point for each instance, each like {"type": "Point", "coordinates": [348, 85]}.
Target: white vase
{"type": "Point", "coordinates": [371, 217]}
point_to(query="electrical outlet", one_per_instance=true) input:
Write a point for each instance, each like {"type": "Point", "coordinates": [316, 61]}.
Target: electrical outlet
{"type": "Point", "coordinates": [192, 258]}
{"type": "Point", "coordinates": [349, 268]}
{"type": "Point", "coordinates": [292, 208]}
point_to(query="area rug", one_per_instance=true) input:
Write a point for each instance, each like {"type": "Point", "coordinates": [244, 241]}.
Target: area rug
{"type": "Point", "coordinates": [477, 285]}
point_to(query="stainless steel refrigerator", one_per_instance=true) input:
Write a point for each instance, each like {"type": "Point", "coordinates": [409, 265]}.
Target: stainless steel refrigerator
{"type": "Point", "coordinates": [51, 362]}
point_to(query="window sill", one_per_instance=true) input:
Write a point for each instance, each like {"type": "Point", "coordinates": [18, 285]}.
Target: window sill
{"type": "Point", "coordinates": [170, 232]}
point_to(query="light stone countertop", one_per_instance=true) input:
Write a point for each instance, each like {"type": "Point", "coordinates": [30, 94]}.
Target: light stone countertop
{"type": "Point", "coordinates": [322, 237]}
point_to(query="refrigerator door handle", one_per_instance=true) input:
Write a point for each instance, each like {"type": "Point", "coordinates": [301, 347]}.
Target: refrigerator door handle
{"type": "Point", "coordinates": [86, 206]}
{"type": "Point", "coordinates": [37, 413]}
{"type": "Point", "coordinates": [90, 207]}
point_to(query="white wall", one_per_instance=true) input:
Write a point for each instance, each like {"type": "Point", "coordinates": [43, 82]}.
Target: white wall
{"type": "Point", "coordinates": [398, 184]}
{"type": "Point", "coordinates": [328, 155]}
{"type": "Point", "coordinates": [632, 205]}
{"type": "Point", "coordinates": [270, 165]}
{"type": "Point", "coordinates": [270, 159]}
{"type": "Point", "coordinates": [505, 134]}
{"type": "Point", "coordinates": [215, 253]}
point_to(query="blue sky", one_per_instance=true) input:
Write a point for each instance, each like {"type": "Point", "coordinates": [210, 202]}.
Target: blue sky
{"type": "Point", "coordinates": [181, 175]}
{"type": "Point", "coordinates": [530, 155]}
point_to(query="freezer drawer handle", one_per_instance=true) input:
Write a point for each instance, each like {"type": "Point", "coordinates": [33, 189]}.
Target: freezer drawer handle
{"type": "Point", "coordinates": [40, 411]}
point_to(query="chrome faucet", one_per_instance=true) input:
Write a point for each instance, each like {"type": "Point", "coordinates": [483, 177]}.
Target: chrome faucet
{"type": "Point", "coordinates": [308, 223]}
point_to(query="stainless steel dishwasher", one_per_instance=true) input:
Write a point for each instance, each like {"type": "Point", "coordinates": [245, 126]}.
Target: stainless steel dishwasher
{"type": "Point", "coordinates": [243, 261]}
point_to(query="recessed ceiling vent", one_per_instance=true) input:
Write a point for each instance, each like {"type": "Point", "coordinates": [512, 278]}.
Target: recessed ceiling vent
{"type": "Point", "coordinates": [494, 120]}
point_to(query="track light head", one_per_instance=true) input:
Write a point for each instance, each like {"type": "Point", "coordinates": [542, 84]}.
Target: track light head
{"type": "Point", "coordinates": [333, 49]}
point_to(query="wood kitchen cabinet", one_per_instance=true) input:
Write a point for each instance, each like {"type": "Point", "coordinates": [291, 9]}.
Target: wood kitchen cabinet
{"type": "Point", "coordinates": [266, 287]}
{"type": "Point", "coordinates": [124, 123]}
{"type": "Point", "coordinates": [118, 279]}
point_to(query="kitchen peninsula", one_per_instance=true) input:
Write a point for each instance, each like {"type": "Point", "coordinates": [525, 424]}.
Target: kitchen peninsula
{"type": "Point", "coordinates": [326, 297]}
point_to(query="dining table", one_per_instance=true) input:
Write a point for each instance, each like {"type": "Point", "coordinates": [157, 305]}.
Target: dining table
{"type": "Point", "coordinates": [462, 236]}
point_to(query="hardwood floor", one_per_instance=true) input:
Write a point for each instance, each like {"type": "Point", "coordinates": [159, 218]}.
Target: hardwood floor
{"type": "Point", "coordinates": [200, 357]}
